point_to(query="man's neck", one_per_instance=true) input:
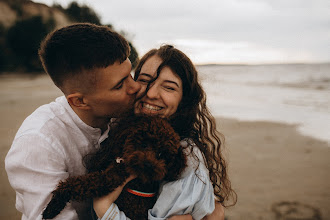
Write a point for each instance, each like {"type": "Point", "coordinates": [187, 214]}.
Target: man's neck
{"type": "Point", "coordinates": [95, 122]}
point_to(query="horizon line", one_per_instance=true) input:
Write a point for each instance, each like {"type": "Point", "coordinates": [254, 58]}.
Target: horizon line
{"type": "Point", "coordinates": [260, 64]}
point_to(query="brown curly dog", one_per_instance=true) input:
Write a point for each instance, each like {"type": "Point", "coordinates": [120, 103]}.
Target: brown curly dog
{"type": "Point", "coordinates": [142, 145]}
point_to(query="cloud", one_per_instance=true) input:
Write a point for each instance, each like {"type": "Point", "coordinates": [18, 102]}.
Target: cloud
{"type": "Point", "coordinates": [272, 30]}
{"type": "Point", "coordinates": [205, 51]}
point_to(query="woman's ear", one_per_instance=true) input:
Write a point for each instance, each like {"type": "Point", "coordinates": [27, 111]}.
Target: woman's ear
{"type": "Point", "coordinates": [76, 100]}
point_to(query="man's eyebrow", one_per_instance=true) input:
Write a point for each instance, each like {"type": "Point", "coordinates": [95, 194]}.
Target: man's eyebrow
{"type": "Point", "coordinates": [120, 82]}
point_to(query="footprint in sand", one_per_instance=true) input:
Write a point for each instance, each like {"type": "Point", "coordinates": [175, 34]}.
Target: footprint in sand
{"type": "Point", "coordinates": [295, 211]}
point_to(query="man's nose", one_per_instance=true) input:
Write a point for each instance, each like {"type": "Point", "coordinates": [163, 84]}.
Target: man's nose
{"type": "Point", "coordinates": [134, 87]}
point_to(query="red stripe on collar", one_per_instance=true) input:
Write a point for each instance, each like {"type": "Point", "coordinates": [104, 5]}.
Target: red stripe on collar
{"type": "Point", "coordinates": [138, 193]}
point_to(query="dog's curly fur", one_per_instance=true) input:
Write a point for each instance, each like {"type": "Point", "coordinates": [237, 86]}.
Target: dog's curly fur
{"type": "Point", "coordinates": [148, 147]}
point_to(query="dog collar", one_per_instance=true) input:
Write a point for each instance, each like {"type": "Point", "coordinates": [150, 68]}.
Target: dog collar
{"type": "Point", "coordinates": [138, 193]}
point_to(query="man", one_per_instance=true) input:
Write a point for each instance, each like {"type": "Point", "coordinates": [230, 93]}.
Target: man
{"type": "Point", "coordinates": [89, 64]}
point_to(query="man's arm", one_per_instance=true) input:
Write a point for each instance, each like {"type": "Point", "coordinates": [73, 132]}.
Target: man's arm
{"type": "Point", "coordinates": [33, 170]}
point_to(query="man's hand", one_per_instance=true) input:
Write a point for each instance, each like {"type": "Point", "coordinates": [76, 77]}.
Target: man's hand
{"type": "Point", "coordinates": [217, 214]}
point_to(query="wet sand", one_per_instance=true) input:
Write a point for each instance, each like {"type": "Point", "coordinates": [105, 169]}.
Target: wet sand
{"type": "Point", "coordinates": [269, 163]}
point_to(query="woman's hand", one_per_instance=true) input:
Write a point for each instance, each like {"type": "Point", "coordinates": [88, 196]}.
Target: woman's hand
{"type": "Point", "coordinates": [102, 204]}
{"type": "Point", "coordinates": [217, 214]}
{"type": "Point", "coordinates": [181, 217]}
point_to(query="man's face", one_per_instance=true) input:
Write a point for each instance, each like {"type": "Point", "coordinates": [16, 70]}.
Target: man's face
{"type": "Point", "coordinates": [114, 91]}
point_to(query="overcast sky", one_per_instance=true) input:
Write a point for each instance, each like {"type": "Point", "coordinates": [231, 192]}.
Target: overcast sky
{"type": "Point", "coordinates": [223, 31]}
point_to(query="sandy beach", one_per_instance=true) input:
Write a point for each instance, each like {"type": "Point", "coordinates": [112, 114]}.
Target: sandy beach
{"type": "Point", "coordinates": [273, 168]}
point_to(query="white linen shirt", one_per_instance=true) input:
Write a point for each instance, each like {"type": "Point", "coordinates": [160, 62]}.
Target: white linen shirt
{"type": "Point", "coordinates": [49, 147]}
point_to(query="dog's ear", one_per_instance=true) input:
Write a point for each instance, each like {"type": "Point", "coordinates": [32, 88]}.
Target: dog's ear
{"type": "Point", "coordinates": [176, 166]}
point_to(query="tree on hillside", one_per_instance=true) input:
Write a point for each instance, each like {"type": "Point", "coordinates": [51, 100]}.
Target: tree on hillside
{"type": "Point", "coordinates": [24, 39]}
{"type": "Point", "coordinates": [3, 57]}
{"type": "Point", "coordinates": [85, 14]}
{"type": "Point", "coordinates": [134, 56]}
{"type": "Point", "coordinates": [82, 13]}
{"type": "Point", "coordinates": [19, 43]}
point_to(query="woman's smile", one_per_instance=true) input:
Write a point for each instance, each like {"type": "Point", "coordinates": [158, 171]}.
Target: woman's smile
{"type": "Point", "coordinates": [151, 107]}
{"type": "Point", "coordinates": [148, 108]}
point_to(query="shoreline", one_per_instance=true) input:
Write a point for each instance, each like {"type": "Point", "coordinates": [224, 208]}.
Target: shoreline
{"type": "Point", "coordinates": [272, 163]}
{"type": "Point", "coordinates": [269, 162]}
{"type": "Point", "coordinates": [299, 127]}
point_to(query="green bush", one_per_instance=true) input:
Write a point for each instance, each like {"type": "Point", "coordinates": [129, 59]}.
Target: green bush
{"type": "Point", "coordinates": [19, 44]}
{"type": "Point", "coordinates": [24, 38]}
{"type": "Point", "coordinates": [2, 47]}
{"type": "Point", "coordinates": [82, 13]}
{"type": "Point", "coordinates": [133, 57]}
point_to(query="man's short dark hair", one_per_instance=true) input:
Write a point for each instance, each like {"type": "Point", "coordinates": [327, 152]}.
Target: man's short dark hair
{"type": "Point", "coordinates": [68, 51]}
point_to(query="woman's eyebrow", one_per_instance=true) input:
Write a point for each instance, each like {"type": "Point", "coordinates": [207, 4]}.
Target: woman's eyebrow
{"type": "Point", "coordinates": [170, 81]}
{"type": "Point", "coordinates": [145, 74]}
{"type": "Point", "coordinates": [167, 81]}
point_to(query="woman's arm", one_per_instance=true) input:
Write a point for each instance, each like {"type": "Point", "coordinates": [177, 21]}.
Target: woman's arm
{"type": "Point", "coordinates": [217, 214]}
{"type": "Point", "coordinates": [102, 204]}
{"type": "Point", "coordinates": [181, 217]}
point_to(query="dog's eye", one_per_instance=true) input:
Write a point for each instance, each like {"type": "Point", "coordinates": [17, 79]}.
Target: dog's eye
{"type": "Point", "coordinates": [159, 155]}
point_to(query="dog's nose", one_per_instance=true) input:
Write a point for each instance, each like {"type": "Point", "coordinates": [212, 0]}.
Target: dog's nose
{"type": "Point", "coordinates": [148, 166]}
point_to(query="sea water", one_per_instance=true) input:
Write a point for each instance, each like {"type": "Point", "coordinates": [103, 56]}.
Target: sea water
{"type": "Point", "coordinates": [291, 93]}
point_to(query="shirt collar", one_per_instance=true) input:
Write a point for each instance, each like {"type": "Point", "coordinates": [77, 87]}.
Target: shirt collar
{"type": "Point", "coordinates": [95, 133]}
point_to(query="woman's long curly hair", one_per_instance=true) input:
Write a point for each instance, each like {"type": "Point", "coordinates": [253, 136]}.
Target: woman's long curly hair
{"type": "Point", "coordinates": [193, 119]}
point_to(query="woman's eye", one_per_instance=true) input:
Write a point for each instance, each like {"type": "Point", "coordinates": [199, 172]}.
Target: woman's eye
{"type": "Point", "coordinates": [169, 88]}
{"type": "Point", "coordinates": [143, 80]}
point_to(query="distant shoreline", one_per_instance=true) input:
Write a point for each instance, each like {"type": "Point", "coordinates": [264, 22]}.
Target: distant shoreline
{"type": "Point", "coordinates": [41, 78]}
{"type": "Point", "coordinates": [197, 65]}
{"type": "Point", "coordinates": [262, 64]}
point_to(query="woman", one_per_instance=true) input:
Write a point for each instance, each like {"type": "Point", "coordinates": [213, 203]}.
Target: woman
{"type": "Point", "coordinates": [170, 89]}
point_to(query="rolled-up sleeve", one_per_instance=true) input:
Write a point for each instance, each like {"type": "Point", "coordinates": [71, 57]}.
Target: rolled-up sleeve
{"type": "Point", "coordinates": [113, 213]}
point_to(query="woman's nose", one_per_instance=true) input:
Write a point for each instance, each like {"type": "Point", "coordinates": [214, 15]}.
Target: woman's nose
{"type": "Point", "coordinates": [153, 92]}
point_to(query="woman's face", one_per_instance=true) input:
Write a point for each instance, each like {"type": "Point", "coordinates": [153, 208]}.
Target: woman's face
{"type": "Point", "coordinates": [164, 95]}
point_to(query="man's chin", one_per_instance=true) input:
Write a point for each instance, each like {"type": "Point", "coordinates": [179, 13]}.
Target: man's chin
{"type": "Point", "coordinates": [126, 112]}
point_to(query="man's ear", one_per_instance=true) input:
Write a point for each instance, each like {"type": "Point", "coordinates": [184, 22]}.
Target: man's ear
{"type": "Point", "coordinates": [76, 100]}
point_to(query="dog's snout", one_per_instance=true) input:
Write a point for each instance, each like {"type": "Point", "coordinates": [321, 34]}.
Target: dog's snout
{"type": "Point", "coordinates": [148, 165]}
